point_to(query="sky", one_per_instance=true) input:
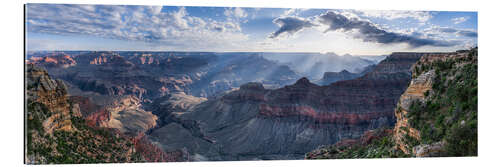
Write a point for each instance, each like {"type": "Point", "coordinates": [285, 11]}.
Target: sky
{"type": "Point", "coordinates": [235, 29]}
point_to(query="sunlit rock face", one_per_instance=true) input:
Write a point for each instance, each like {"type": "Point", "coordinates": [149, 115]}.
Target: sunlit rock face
{"type": "Point", "coordinates": [127, 115]}
{"type": "Point", "coordinates": [55, 126]}
{"type": "Point", "coordinates": [257, 123]}
{"type": "Point", "coordinates": [61, 60]}
{"type": "Point", "coordinates": [424, 90]}
{"type": "Point", "coordinates": [429, 121]}
{"type": "Point", "coordinates": [52, 97]}
{"type": "Point", "coordinates": [142, 75]}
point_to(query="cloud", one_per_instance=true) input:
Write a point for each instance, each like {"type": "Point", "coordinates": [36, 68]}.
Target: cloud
{"type": "Point", "coordinates": [293, 12]}
{"type": "Point", "coordinates": [177, 29]}
{"type": "Point", "coordinates": [134, 23]}
{"type": "Point", "coordinates": [467, 33]}
{"type": "Point", "coordinates": [458, 32]}
{"type": "Point", "coordinates": [421, 16]}
{"type": "Point", "coordinates": [369, 32]}
{"type": "Point", "coordinates": [459, 20]}
{"type": "Point", "coordinates": [290, 25]}
{"type": "Point", "coordinates": [178, 18]}
{"type": "Point", "coordinates": [235, 12]}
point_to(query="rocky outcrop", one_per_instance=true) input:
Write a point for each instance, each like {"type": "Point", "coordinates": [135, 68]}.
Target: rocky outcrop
{"type": "Point", "coordinates": [421, 94]}
{"type": "Point", "coordinates": [416, 92]}
{"type": "Point", "coordinates": [52, 97]}
{"type": "Point", "coordinates": [429, 150]}
{"type": "Point", "coordinates": [125, 114]}
{"type": "Point", "coordinates": [56, 133]}
{"type": "Point", "coordinates": [436, 115]}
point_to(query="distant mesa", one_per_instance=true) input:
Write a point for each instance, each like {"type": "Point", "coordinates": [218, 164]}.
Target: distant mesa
{"type": "Point", "coordinates": [331, 77]}
{"type": "Point", "coordinates": [252, 86]}
{"type": "Point", "coordinates": [54, 60]}
{"type": "Point", "coordinates": [303, 82]}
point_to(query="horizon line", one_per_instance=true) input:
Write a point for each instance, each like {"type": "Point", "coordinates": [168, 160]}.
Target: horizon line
{"type": "Point", "coordinates": [236, 52]}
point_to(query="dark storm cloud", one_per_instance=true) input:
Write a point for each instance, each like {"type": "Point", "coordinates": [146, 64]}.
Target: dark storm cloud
{"type": "Point", "coordinates": [371, 33]}
{"type": "Point", "coordinates": [290, 25]}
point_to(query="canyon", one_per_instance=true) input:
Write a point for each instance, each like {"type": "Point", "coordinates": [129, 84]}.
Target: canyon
{"type": "Point", "coordinates": [253, 122]}
{"type": "Point", "coordinates": [436, 116]}
{"type": "Point", "coordinates": [199, 106]}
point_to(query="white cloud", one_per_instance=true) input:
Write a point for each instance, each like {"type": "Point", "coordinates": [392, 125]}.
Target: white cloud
{"type": "Point", "coordinates": [449, 32]}
{"type": "Point", "coordinates": [293, 12]}
{"type": "Point", "coordinates": [421, 16]}
{"type": "Point", "coordinates": [151, 28]}
{"type": "Point", "coordinates": [235, 12]}
{"type": "Point", "coordinates": [238, 12]}
{"type": "Point", "coordinates": [459, 20]}
{"type": "Point", "coordinates": [136, 23]}
{"type": "Point", "coordinates": [179, 18]}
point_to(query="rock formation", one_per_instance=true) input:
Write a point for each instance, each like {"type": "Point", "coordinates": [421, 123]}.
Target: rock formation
{"type": "Point", "coordinates": [60, 60]}
{"type": "Point", "coordinates": [56, 133]}
{"type": "Point", "coordinates": [258, 123]}
{"type": "Point", "coordinates": [127, 115]}
{"type": "Point", "coordinates": [443, 90]}
{"type": "Point", "coordinates": [73, 129]}
{"type": "Point", "coordinates": [436, 115]}
{"type": "Point", "coordinates": [331, 77]}
{"type": "Point", "coordinates": [418, 86]}
{"type": "Point", "coordinates": [49, 96]}
{"type": "Point", "coordinates": [183, 106]}
{"type": "Point", "coordinates": [150, 75]}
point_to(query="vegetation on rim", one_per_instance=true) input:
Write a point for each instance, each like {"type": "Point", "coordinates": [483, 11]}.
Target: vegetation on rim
{"type": "Point", "coordinates": [447, 115]}
{"type": "Point", "coordinates": [450, 113]}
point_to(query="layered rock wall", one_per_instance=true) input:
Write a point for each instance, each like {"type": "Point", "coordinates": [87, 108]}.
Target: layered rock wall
{"type": "Point", "coordinates": [257, 123]}
{"type": "Point", "coordinates": [52, 94]}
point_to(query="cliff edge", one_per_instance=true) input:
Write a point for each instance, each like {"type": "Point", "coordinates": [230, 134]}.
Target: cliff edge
{"type": "Point", "coordinates": [435, 116]}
